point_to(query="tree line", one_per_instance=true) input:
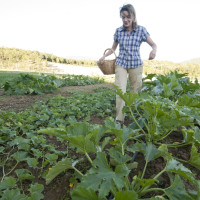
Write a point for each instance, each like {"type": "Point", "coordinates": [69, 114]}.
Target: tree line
{"type": "Point", "coordinates": [11, 56]}
{"type": "Point", "coordinates": [20, 58]}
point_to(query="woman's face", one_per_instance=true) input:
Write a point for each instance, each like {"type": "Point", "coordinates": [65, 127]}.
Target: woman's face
{"type": "Point", "coordinates": [127, 19]}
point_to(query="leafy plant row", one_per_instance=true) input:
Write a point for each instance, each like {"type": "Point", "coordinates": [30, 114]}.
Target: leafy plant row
{"type": "Point", "coordinates": [101, 158]}
{"type": "Point", "coordinates": [110, 149]}
{"type": "Point", "coordinates": [110, 174]}
{"type": "Point", "coordinates": [21, 145]}
{"type": "Point", "coordinates": [29, 84]}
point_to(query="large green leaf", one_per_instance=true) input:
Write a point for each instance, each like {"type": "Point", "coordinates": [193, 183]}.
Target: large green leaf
{"type": "Point", "coordinates": [13, 195]}
{"type": "Point", "coordinates": [32, 162]}
{"type": "Point", "coordinates": [126, 195]}
{"type": "Point", "coordinates": [117, 157]}
{"type": "Point", "coordinates": [77, 129]}
{"type": "Point", "coordinates": [146, 182]}
{"type": "Point", "coordinates": [149, 76]}
{"type": "Point", "coordinates": [96, 134]}
{"type": "Point", "coordinates": [178, 168]}
{"type": "Point", "coordinates": [36, 192]}
{"type": "Point", "coordinates": [175, 118]}
{"type": "Point", "coordinates": [188, 136]}
{"type": "Point", "coordinates": [7, 183]}
{"type": "Point", "coordinates": [20, 156]}
{"type": "Point", "coordinates": [128, 97]}
{"type": "Point", "coordinates": [193, 113]}
{"type": "Point", "coordinates": [167, 91]}
{"type": "Point", "coordinates": [148, 149]}
{"type": "Point", "coordinates": [111, 124]}
{"type": "Point", "coordinates": [77, 134]}
{"type": "Point", "coordinates": [83, 143]}
{"type": "Point", "coordinates": [24, 174]}
{"type": "Point", "coordinates": [36, 188]}
{"type": "Point", "coordinates": [81, 193]}
{"type": "Point", "coordinates": [58, 132]}
{"type": "Point", "coordinates": [51, 157]}
{"type": "Point", "coordinates": [22, 143]}
{"type": "Point", "coordinates": [58, 168]}
{"type": "Point", "coordinates": [194, 157]}
{"type": "Point", "coordinates": [102, 178]}
{"type": "Point", "coordinates": [189, 101]}
{"type": "Point", "coordinates": [164, 151]}
{"type": "Point", "coordinates": [177, 190]}
{"type": "Point", "coordinates": [175, 85]}
{"type": "Point", "coordinates": [157, 90]}
{"type": "Point", "coordinates": [1, 148]}
{"type": "Point", "coordinates": [122, 134]}
{"type": "Point", "coordinates": [150, 152]}
{"type": "Point", "coordinates": [197, 135]}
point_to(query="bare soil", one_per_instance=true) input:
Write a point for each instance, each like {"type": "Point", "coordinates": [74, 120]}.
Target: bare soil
{"type": "Point", "coordinates": [19, 103]}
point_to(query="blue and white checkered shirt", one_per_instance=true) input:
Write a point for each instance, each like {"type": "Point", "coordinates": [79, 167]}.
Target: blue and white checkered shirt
{"type": "Point", "coordinates": [129, 46]}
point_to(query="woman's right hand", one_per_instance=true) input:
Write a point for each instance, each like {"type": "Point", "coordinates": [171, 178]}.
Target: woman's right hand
{"type": "Point", "coordinates": [101, 60]}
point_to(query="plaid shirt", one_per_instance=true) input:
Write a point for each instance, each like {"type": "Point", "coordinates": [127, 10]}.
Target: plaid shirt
{"type": "Point", "coordinates": [129, 46]}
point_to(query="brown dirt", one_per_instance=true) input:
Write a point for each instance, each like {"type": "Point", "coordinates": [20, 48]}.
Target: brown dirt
{"type": "Point", "coordinates": [19, 103]}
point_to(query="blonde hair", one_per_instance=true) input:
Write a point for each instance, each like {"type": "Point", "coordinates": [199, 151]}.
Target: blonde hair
{"type": "Point", "coordinates": [131, 10]}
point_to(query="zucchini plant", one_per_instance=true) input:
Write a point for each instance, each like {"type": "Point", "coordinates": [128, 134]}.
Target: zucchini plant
{"type": "Point", "coordinates": [109, 150]}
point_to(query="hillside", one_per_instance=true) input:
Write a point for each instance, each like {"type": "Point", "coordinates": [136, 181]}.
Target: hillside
{"type": "Point", "coordinates": [193, 61]}
{"type": "Point", "coordinates": [26, 60]}
{"type": "Point", "coordinates": [9, 56]}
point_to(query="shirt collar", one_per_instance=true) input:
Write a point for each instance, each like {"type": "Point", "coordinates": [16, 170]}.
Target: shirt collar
{"type": "Point", "coordinates": [123, 29]}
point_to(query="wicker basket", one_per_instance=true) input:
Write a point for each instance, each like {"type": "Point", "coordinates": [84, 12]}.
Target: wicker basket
{"type": "Point", "coordinates": [108, 66]}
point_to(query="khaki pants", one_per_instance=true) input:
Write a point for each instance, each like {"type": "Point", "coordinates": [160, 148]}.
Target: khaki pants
{"type": "Point", "coordinates": [135, 78]}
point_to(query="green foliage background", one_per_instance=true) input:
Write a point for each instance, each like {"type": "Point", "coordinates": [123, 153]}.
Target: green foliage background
{"type": "Point", "coordinates": [12, 58]}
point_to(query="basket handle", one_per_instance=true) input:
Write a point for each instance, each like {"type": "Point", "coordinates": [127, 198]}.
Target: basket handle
{"type": "Point", "coordinates": [111, 50]}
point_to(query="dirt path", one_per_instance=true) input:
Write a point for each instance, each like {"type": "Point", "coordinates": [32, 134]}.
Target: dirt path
{"type": "Point", "coordinates": [19, 103]}
{"type": "Point", "coordinates": [75, 70]}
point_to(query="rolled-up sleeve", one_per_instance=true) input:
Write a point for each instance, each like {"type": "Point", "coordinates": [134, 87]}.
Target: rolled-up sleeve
{"type": "Point", "coordinates": [145, 34]}
{"type": "Point", "coordinates": [116, 36]}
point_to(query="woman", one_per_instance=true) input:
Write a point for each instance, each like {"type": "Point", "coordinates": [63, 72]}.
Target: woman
{"type": "Point", "coordinates": [129, 37]}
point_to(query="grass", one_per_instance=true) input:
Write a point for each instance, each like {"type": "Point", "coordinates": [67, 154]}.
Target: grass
{"type": "Point", "coordinates": [9, 75]}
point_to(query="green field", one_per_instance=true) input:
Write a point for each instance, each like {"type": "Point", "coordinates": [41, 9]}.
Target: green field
{"type": "Point", "coordinates": [68, 146]}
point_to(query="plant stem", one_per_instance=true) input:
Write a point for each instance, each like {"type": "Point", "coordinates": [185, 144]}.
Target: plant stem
{"type": "Point", "coordinates": [144, 170]}
{"type": "Point", "coordinates": [143, 120]}
{"type": "Point", "coordinates": [185, 161]}
{"type": "Point", "coordinates": [12, 169]}
{"type": "Point", "coordinates": [88, 157]}
{"type": "Point", "coordinates": [122, 149]}
{"type": "Point", "coordinates": [3, 173]}
{"type": "Point", "coordinates": [79, 172]}
{"type": "Point", "coordinates": [159, 173]}
{"type": "Point", "coordinates": [99, 148]}
{"type": "Point", "coordinates": [150, 190]}
{"type": "Point", "coordinates": [165, 135]}
{"type": "Point", "coordinates": [3, 169]}
{"type": "Point", "coordinates": [136, 121]}
{"type": "Point", "coordinates": [127, 185]}
{"type": "Point", "coordinates": [174, 145]}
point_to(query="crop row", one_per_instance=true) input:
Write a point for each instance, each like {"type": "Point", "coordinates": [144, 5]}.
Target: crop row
{"type": "Point", "coordinates": [101, 159]}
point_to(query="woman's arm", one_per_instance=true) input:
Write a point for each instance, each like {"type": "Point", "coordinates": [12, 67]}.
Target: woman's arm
{"type": "Point", "coordinates": [109, 52]}
{"type": "Point", "coordinates": [152, 54]}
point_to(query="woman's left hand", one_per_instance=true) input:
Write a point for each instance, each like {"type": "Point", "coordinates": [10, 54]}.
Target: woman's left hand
{"type": "Point", "coordinates": [152, 55]}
